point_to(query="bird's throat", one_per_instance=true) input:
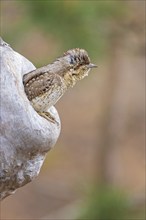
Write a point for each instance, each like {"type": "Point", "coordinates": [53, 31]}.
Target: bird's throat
{"type": "Point", "coordinates": [69, 80]}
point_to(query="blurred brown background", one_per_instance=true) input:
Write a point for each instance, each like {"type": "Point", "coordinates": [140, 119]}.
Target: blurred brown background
{"type": "Point", "coordinates": [97, 168]}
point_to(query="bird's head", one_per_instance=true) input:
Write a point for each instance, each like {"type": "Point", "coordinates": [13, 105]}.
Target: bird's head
{"type": "Point", "coordinates": [77, 64]}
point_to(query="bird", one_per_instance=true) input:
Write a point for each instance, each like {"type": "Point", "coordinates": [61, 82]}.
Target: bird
{"type": "Point", "coordinates": [46, 85]}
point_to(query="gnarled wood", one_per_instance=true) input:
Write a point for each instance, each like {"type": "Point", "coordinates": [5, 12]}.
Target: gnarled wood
{"type": "Point", "coordinates": [26, 137]}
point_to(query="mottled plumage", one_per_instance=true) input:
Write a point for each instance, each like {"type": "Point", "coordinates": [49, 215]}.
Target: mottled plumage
{"type": "Point", "coordinates": [45, 86]}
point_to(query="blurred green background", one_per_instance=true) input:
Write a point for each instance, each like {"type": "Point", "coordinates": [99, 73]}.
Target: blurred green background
{"type": "Point", "coordinates": [97, 168]}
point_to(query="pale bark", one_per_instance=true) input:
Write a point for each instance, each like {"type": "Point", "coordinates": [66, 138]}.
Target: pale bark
{"type": "Point", "coordinates": [25, 137]}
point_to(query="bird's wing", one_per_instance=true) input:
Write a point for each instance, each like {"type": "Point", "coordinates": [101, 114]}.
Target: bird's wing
{"type": "Point", "coordinates": [33, 74]}
{"type": "Point", "coordinates": [40, 84]}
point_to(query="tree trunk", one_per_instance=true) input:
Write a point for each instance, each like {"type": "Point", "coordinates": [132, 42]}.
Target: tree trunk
{"type": "Point", "coordinates": [26, 137]}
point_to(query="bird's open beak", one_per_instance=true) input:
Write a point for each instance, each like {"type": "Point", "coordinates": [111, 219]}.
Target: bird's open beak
{"type": "Point", "coordinates": [91, 65]}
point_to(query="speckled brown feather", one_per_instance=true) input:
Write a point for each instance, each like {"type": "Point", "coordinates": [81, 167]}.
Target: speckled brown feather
{"type": "Point", "coordinates": [40, 84]}
{"type": "Point", "coordinates": [45, 86]}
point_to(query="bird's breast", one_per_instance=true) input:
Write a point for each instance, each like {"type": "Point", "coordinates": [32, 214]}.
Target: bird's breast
{"type": "Point", "coordinates": [49, 98]}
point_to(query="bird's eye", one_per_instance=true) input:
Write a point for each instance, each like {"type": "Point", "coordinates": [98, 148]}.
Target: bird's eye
{"type": "Point", "coordinates": [72, 60]}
